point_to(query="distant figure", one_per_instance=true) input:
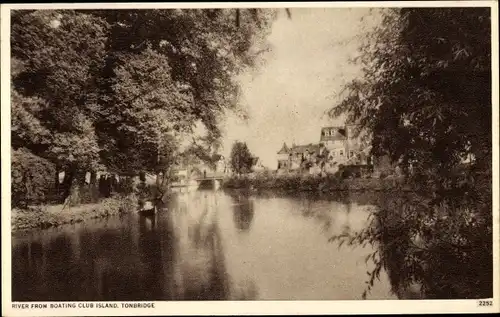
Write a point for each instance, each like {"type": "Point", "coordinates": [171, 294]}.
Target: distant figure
{"type": "Point", "coordinates": [204, 173]}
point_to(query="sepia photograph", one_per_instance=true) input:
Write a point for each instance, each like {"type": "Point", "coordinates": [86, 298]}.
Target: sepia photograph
{"type": "Point", "coordinates": [248, 153]}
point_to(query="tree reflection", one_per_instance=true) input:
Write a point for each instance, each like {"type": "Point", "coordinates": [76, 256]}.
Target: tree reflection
{"type": "Point", "coordinates": [243, 210]}
{"type": "Point", "coordinates": [201, 269]}
{"type": "Point", "coordinates": [215, 282]}
{"type": "Point", "coordinates": [176, 255]}
{"type": "Point", "coordinates": [27, 269]}
{"type": "Point", "coordinates": [150, 250]}
{"type": "Point", "coordinates": [425, 251]}
{"type": "Point", "coordinates": [201, 264]}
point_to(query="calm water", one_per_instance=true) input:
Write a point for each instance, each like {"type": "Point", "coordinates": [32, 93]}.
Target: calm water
{"type": "Point", "coordinates": [204, 245]}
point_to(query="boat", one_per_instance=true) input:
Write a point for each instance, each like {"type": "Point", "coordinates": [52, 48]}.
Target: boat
{"type": "Point", "coordinates": [148, 209]}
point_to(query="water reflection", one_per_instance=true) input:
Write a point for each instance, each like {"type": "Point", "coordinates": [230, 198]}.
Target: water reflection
{"type": "Point", "coordinates": [205, 245]}
{"type": "Point", "coordinates": [201, 269]}
{"type": "Point", "coordinates": [150, 249]}
{"type": "Point", "coordinates": [243, 210]}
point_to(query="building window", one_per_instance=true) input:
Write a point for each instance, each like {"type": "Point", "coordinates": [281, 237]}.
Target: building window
{"type": "Point", "coordinates": [341, 153]}
{"type": "Point", "coordinates": [351, 154]}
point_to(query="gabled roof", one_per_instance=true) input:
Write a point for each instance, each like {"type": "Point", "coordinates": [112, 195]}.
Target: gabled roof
{"type": "Point", "coordinates": [284, 149]}
{"type": "Point", "coordinates": [311, 148]}
{"type": "Point", "coordinates": [339, 134]}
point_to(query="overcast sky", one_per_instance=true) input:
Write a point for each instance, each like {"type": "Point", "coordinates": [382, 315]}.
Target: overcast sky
{"type": "Point", "coordinates": [288, 96]}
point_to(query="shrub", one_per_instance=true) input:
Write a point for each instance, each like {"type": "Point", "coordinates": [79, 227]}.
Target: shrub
{"type": "Point", "coordinates": [33, 178]}
{"type": "Point", "coordinates": [126, 185]}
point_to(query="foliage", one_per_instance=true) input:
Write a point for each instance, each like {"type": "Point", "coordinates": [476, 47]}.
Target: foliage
{"type": "Point", "coordinates": [425, 99]}
{"type": "Point", "coordinates": [32, 178]}
{"type": "Point", "coordinates": [425, 93]}
{"type": "Point", "coordinates": [119, 89]}
{"type": "Point", "coordinates": [204, 54]}
{"type": "Point", "coordinates": [63, 60]}
{"type": "Point", "coordinates": [312, 183]}
{"type": "Point", "coordinates": [439, 247]}
{"type": "Point", "coordinates": [241, 159]}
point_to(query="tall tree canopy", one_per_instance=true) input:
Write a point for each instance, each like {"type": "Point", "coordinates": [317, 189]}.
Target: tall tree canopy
{"type": "Point", "coordinates": [117, 88]}
{"type": "Point", "coordinates": [241, 160]}
{"type": "Point", "coordinates": [425, 98]}
{"type": "Point", "coordinates": [425, 93]}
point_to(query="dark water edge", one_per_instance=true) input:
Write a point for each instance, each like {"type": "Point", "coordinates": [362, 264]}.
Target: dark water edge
{"type": "Point", "coordinates": [309, 183]}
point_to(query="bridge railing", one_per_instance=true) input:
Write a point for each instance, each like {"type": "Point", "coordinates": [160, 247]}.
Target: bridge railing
{"type": "Point", "coordinates": [211, 176]}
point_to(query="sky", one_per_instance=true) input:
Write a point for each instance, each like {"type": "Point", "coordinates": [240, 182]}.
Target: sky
{"type": "Point", "coordinates": [287, 97]}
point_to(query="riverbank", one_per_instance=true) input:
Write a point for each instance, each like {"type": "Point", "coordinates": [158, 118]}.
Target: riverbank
{"type": "Point", "coordinates": [309, 183]}
{"type": "Point", "coordinates": [46, 216]}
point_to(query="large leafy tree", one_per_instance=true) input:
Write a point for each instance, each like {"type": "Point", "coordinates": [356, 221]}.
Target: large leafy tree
{"type": "Point", "coordinates": [204, 54]}
{"type": "Point", "coordinates": [56, 60]}
{"type": "Point", "coordinates": [425, 99]}
{"type": "Point", "coordinates": [119, 87]}
{"type": "Point", "coordinates": [425, 96]}
{"type": "Point", "coordinates": [241, 160]}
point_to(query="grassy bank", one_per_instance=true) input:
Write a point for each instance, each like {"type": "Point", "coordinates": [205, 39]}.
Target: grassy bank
{"type": "Point", "coordinates": [314, 183]}
{"type": "Point", "coordinates": [47, 216]}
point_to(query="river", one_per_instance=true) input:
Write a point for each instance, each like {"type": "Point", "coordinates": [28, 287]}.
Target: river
{"type": "Point", "coordinates": [203, 245]}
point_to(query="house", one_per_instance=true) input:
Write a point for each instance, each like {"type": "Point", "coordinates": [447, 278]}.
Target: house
{"type": "Point", "coordinates": [257, 165]}
{"type": "Point", "coordinates": [303, 155]}
{"type": "Point", "coordinates": [340, 145]}
{"type": "Point", "coordinates": [298, 156]}
{"type": "Point", "coordinates": [344, 145]}
{"type": "Point", "coordinates": [283, 157]}
{"type": "Point", "coordinates": [219, 162]}
{"type": "Point", "coordinates": [334, 138]}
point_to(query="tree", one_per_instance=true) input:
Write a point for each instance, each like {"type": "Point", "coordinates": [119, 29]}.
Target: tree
{"type": "Point", "coordinates": [57, 56]}
{"type": "Point", "coordinates": [241, 159]}
{"type": "Point", "coordinates": [32, 178]}
{"type": "Point", "coordinates": [425, 96]}
{"type": "Point", "coordinates": [425, 99]}
{"type": "Point", "coordinates": [119, 88]}
{"type": "Point", "coordinates": [204, 53]}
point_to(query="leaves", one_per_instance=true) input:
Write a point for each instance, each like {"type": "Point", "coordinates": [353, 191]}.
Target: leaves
{"type": "Point", "coordinates": [31, 178]}
{"type": "Point", "coordinates": [241, 159]}
{"type": "Point", "coordinates": [402, 100]}
{"type": "Point", "coordinates": [424, 99]}
{"type": "Point", "coordinates": [122, 87]}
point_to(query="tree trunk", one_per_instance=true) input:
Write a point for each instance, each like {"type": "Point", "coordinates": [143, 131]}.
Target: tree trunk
{"type": "Point", "coordinates": [65, 187]}
{"type": "Point", "coordinates": [158, 180]}
{"type": "Point", "coordinates": [94, 190]}
{"type": "Point", "coordinates": [163, 184]}
{"type": "Point", "coordinates": [28, 188]}
{"type": "Point", "coordinates": [76, 188]}
{"type": "Point", "coordinates": [75, 192]}
{"type": "Point", "coordinates": [73, 181]}
{"type": "Point", "coordinates": [57, 186]}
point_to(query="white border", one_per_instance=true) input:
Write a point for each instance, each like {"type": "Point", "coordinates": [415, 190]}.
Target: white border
{"type": "Point", "coordinates": [203, 5]}
{"type": "Point", "coordinates": [248, 307]}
